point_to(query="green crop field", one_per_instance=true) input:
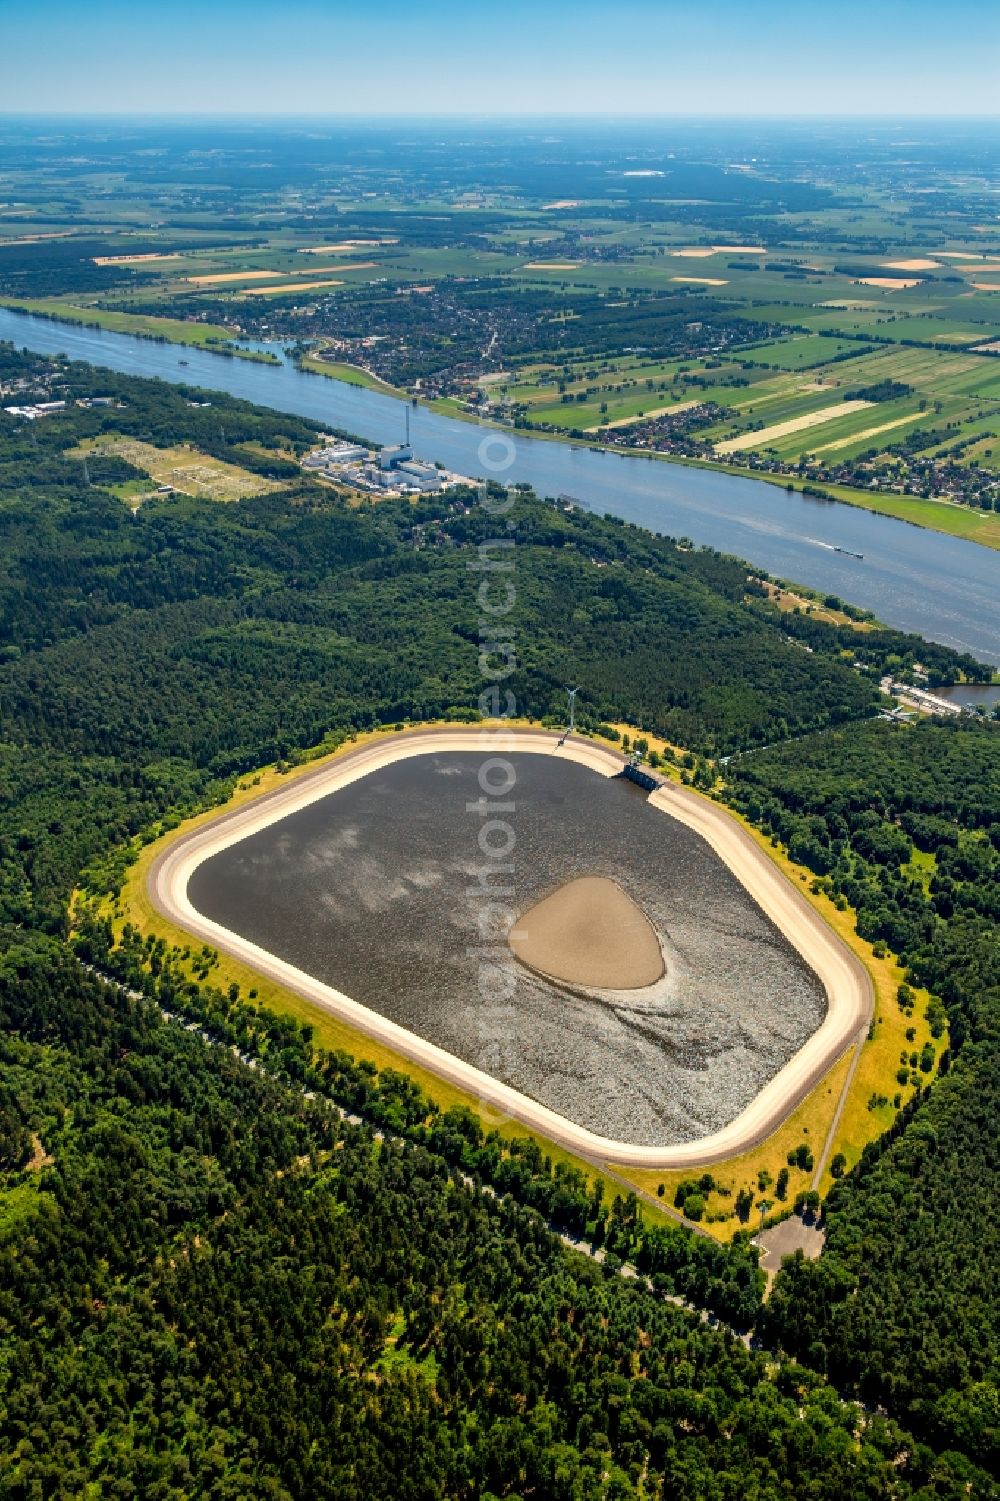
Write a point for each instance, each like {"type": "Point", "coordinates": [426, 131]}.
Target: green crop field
{"type": "Point", "coordinates": [799, 353]}
{"type": "Point", "coordinates": [584, 310]}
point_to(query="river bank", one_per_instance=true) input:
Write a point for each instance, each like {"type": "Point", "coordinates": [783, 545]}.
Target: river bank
{"type": "Point", "coordinates": [949, 517]}
{"type": "Point", "coordinates": [980, 527]}
{"type": "Point", "coordinates": [941, 587]}
{"type": "Point", "coordinates": [209, 336]}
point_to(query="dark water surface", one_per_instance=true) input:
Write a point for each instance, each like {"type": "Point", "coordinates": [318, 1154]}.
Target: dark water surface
{"type": "Point", "coordinates": [945, 589]}
{"type": "Point", "coordinates": [367, 889]}
{"type": "Point", "coordinates": [983, 695]}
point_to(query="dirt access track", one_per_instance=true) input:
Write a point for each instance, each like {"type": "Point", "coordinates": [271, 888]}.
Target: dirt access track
{"type": "Point", "coordinates": [848, 986]}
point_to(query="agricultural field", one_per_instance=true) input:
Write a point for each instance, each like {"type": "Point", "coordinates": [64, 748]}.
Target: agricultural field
{"type": "Point", "coordinates": [932, 390]}
{"type": "Point", "coordinates": [800, 352]}
{"type": "Point", "coordinates": [666, 312]}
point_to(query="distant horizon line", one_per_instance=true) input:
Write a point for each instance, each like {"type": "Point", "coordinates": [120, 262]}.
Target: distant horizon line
{"type": "Point", "coordinates": [583, 117]}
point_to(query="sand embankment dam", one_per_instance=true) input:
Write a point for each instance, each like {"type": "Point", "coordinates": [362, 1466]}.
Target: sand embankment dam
{"type": "Point", "coordinates": [847, 992]}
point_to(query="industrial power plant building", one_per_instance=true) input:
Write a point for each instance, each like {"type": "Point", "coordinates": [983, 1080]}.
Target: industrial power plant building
{"type": "Point", "coordinates": [390, 470]}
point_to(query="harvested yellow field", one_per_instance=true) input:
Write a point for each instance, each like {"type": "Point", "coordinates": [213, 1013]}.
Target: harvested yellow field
{"type": "Point", "coordinates": [956, 364]}
{"type": "Point", "coordinates": [699, 252]}
{"type": "Point", "coordinates": [133, 260]}
{"type": "Point", "coordinates": [987, 286]}
{"type": "Point", "coordinates": [290, 286]}
{"type": "Point", "coordinates": [343, 245]}
{"type": "Point", "coordinates": [893, 283]}
{"type": "Point", "coordinates": [563, 203]}
{"type": "Point", "coordinates": [552, 266]}
{"type": "Point", "coordinates": [958, 255]}
{"type": "Point", "coordinates": [225, 276]}
{"type": "Point", "coordinates": [992, 348]}
{"type": "Point", "coordinates": [703, 281]}
{"type": "Point", "coordinates": [678, 406]}
{"type": "Point", "coordinates": [52, 234]}
{"type": "Point", "coordinates": [914, 265]}
{"type": "Point", "coordinates": [868, 432]}
{"type": "Point", "coordinates": [221, 276]}
{"type": "Point", "coordinates": [848, 304]}
{"type": "Point", "coordinates": [183, 468]}
{"type": "Point", "coordinates": [793, 425]}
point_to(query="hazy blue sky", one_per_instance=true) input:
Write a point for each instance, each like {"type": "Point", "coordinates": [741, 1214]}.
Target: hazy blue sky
{"type": "Point", "coordinates": [439, 56]}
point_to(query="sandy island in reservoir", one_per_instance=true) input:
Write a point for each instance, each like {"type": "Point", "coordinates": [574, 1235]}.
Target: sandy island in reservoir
{"type": "Point", "coordinates": [589, 933]}
{"type": "Point", "coordinates": [848, 985]}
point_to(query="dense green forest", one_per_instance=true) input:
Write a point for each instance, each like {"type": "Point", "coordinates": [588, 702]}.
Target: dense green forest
{"type": "Point", "coordinates": [214, 1285]}
{"type": "Point", "coordinates": [218, 1288]}
{"type": "Point", "coordinates": [45, 268]}
{"type": "Point", "coordinates": [901, 1307]}
{"type": "Point", "coordinates": [147, 659]}
{"type": "Point", "coordinates": [727, 1282]}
